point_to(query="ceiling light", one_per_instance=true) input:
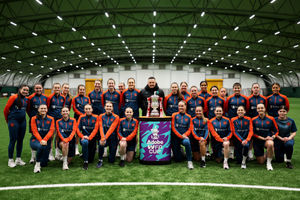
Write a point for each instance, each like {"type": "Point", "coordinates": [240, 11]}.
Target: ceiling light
{"type": "Point", "coordinates": [224, 37]}
{"type": "Point", "coordinates": [252, 16]}
{"type": "Point", "coordinates": [293, 61]}
{"type": "Point", "coordinates": [72, 52]}
{"type": "Point", "coordinates": [73, 29]}
{"type": "Point", "coordinates": [45, 56]}
{"type": "Point", "coordinates": [202, 14]}
{"type": "Point", "coordinates": [15, 46]}
{"type": "Point", "coordinates": [272, 1]}
{"type": "Point", "coordinates": [295, 46]}
{"type": "Point", "coordinates": [236, 28]}
{"type": "Point", "coordinates": [276, 33]}
{"type": "Point", "coordinates": [32, 52]}
{"type": "Point", "coordinates": [106, 14]}
{"type": "Point", "coordinates": [247, 47]}
{"type": "Point", "coordinates": [265, 56]}
{"type": "Point", "coordinates": [154, 25]}
{"type": "Point", "coordinates": [237, 52]}
{"type": "Point", "coordinates": [39, 2]}
{"type": "Point", "coordinates": [83, 37]}
{"type": "Point", "coordinates": [60, 18]}
{"type": "Point", "coordinates": [50, 41]}
{"type": "Point", "coordinates": [189, 35]}
{"type": "Point", "coordinates": [216, 43]}
{"type": "Point", "coordinates": [3, 58]}
{"type": "Point", "coordinates": [114, 26]}
{"type": "Point", "coordinates": [19, 61]}
{"type": "Point", "coordinates": [278, 51]}
{"type": "Point", "coordinates": [119, 35]}
{"type": "Point", "coordinates": [259, 41]}
{"type": "Point", "coordinates": [13, 23]}
{"type": "Point", "coordinates": [184, 41]}
{"type": "Point", "coordinates": [154, 13]}
{"type": "Point", "coordinates": [92, 44]}
{"type": "Point", "coordinates": [195, 26]}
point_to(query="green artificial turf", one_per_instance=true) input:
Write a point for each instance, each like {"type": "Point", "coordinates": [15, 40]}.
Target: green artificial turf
{"type": "Point", "coordinates": [134, 172]}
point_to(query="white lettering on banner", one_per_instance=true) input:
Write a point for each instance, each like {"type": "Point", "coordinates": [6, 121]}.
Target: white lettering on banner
{"type": "Point", "coordinates": [152, 142]}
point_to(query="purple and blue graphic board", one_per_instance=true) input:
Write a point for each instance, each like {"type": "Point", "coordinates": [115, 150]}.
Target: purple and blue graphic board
{"type": "Point", "coordinates": [155, 141]}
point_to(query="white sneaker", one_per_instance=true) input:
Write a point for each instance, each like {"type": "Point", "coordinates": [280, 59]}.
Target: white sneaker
{"type": "Point", "coordinates": [65, 166]}
{"type": "Point", "coordinates": [51, 157]}
{"type": "Point", "coordinates": [77, 152]}
{"type": "Point", "coordinates": [285, 159]}
{"type": "Point", "coordinates": [58, 157]}
{"type": "Point", "coordinates": [32, 160]}
{"type": "Point", "coordinates": [20, 162]}
{"type": "Point", "coordinates": [11, 163]}
{"type": "Point", "coordinates": [37, 167]}
{"type": "Point", "coordinates": [243, 166]}
{"type": "Point", "coordinates": [269, 167]}
{"type": "Point", "coordinates": [250, 155]}
{"type": "Point", "coordinates": [225, 165]}
{"type": "Point", "coordinates": [190, 165]}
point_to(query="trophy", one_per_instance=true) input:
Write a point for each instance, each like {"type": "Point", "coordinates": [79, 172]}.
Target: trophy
{"type": "Point", "coordinates": [154, 103]}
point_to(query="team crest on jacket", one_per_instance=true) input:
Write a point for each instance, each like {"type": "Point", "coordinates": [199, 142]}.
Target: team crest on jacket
{"type": "Point", "coordinates": [48, 122]}
{"type": "Point", "coordinates": [243, 100]}
{"type": "Point", "coordinates": [261, 101]}
{"type": "Point", "coordinates": [53, 100]}
{"type": "Point", "coordinates": [38, 122]}
{"type": "Point", "coordinates": [220, 101]}
{"type": "Point", "coordinates": [12, 125]}
{"type": "Point", "coordinates": [186, 119]}
{"type": "Point", "coordinates": [245, 123]}
{"type": "Point", "coordinates": [251, 101]}
{"type": "Point", "coordinates": [288, 123]}
{"type": "Point", "coordinates": [60, 123]}
{"type": "Point", "coordinates": [199, 101]}
{"type": "Point", "coordinates": [124, 123]}
{"type": "Point", "coordinates": [70, 123]}
{"type": "Point", "coordinates": [268, 122]}
{"type": "Point", "coordinates": [85, 100]}
{"type": "Point", "coordinates": [61, 100]}
{"type": "Point", "coordinates": [134, 94]}
{"type": "Point", "coordinates": [93, 121]}
{"type": "Point", "coordinates": [116, 95]}
{"type": "Point", "coordinates": [111, 119]}
{"type": "Point", "coordinates": [280, 100]}
{"type": "Point", "coordinates": [132, 124]}
{"type": "Point", "coordinates": [177, 117]}
{"type": "Point", "coordinates": [224, 123]}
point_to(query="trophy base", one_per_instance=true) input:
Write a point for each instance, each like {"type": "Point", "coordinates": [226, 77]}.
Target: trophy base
{"type": "Point", "coordinates": [154, 113]}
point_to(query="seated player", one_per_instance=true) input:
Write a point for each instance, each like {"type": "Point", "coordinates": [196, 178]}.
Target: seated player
{"type": "Point", "coordinates": [264, 131]}
{"type": "Point", "coordinates": [42, 126]}
{"type": "Point", "coordinates": [87, 128]}
{"type": "Point", "coordinates": [181, 130]}
{"type": "Point", "coordinates": [243, 131]}
{"type": "Point", "coordinates": [200, 134]}
{"type": "Point", "coordinates": [127, 130]}
{"type": "Point", "coordinates": [221, 129]}
{"type": "Point", "coordinates": [284, 143]}
{"type": "Point", "coordinates": [66, 129]}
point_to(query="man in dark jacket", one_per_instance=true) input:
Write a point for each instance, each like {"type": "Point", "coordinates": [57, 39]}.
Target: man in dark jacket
{"type": "Point", "coordinates": [148, 91]}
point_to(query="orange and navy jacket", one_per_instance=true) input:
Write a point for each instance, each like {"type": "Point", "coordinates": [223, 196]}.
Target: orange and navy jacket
{"type": "Point", "coordinates": [96, 100]}
{"type": "Point", "coordinates": [78, 103]}
{"type": "Point", "coordinates": [55, 103]}
{"type": "Point", "coordinates": [286, 127]}
{"type": "Point", "coordinates": [171, 104]}
{"type": "Point", "coordinates": [186, 95]}
{"type": "Point", "coordinates": [108, 125]}
{"type": "Point", "coordinates": [87, 126]}
{"type": "Point", "coordinates": [205, 95]}
{"type": "Point", "coordinates": [127, 129]}
{"type": "Point", "coordinates": [34, 101]}
{"type": "Point", "coordinates": [253, 102]}
{"type": "Point", "coordinates": [242, 128]}
{"type": "Point", "coordinates": [115, 98]}
{"type": "Point", "coordinates": [220, 128]}
{"type": "Point", "coordinates": [181, 124]}
{"type": "Point", "coordinates": [233, 102]}
{"type": "Point", "coordinates": [130, 98]}
{"type": "Point", "coordinates": [66, 129]}
{"type": "Point", "coordinates": [199, 128]}
{"type": "Point", "coordinates": [264, 127]}
{"type": "Point", "coordinates": [192, 103]}
{"type": "Point", "coordinates": [12, 111]}
{"type": "Point", "coordinates": [213, 102]}
{"type": "Point", "coordinates": [274, 102]}
{"type": "Point", "coordinates": [68, 101]}
{"type": "Point", "coordinates": [42, 129]}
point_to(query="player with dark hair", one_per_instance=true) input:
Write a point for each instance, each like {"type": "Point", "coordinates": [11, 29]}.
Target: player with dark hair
{"type": "Point", "coordinates": [276, 100]}
{"type": "Point", "coordinates": [171, 100]}
{"type": "Point", "coordinates": [65, 91]}
{"type": "Point", "coordinates": [194, 101]}
{"type": "Point", "coordinates": [213, 102]}
{"type": "Point", "coordinates": [203, 90]}
{"type": "Point", "coordinates": [113, 96]}
{"type": "Point", "coordinates": [130, 98]}
{"type": "Point", "coordinates": [96, 98]}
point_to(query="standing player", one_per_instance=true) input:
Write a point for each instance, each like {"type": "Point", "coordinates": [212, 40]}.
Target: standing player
{"type": "Point", "coordinates": [203, 90]}
{"type": "Point", "coordinates": [276, 100]}
{"type": "Point", "coordinates": [181, 129]}
{"type": "Point", "coordinates": [121, 87]}
{"type": "Point", "coordinates": [194, 101]}
{"type": "Point", "coordinates": [284, 143]}
{"type": "Point", "coordinates": [66, 93]}
{"type": "Point", "coordinates": [113, 96]}
{"type": "Point", "coordinates": [87, 129]}
{"type": "Point", "coordinates": [66, 129]}
{"type": "Point", "coordinates": [264, 131]}
{"type": "Point", "coordinates": [221, 130]}
{"type": "Point", "coordinates": [213, 102]}
{"type": "Point", "coordinates": [183, 90]}
{"type": "Point", "coordinates": [243, 131]}
{"type": "Point", "coordinates": [15, 116]}
{"type": "Point", "coordinates": [200, 134]}
{"type": "Point", "coordinates": [96, 98]}
{"type": "Point", "coordinates": [34, 101]}
{"type": "Point", "coordinates": [130, 98]}
{"type": "Point", "coordinates": [171, 101]}
{"type": "Point", "coordinates": [223, 93]}
{"type": "Point", "coordinates": [42, 126]}
{"type": "Point", "coordinates": [127, 130]}
{"type": "Point", "coordinates": [108, 124]}
{"type": "Point", "coordinates": [55, 103]}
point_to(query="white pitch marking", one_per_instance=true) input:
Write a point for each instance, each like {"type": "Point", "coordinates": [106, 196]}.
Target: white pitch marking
{"type": "Point", "coordinates": [148, 184]}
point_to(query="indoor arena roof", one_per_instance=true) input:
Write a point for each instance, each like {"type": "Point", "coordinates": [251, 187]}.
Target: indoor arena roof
{"type": "Point", "coordinates": [44, 37]}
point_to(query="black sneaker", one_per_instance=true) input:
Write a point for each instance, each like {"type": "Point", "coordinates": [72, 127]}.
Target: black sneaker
{"type": "Point", "coordinates": [122, 163]}
{"type": "Point", "coordinates": [85, 166]}
{"type": "Point", "coordinates": [289, 165]}
{"type": "Point", "coordinates": [202, 164]}
{"type": "Point", "coordinates": [99, 164]}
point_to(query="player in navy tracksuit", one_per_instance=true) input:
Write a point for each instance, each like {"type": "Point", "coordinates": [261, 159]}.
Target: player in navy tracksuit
{"type": "Point", "coordinates": [203, 90]}
{"type": "Point", "coordinates": [213, 102]}
{"type": "Point", "coordinates": [66, 93]}
{"type": "Point", "coordinates": [171, 101]}
{"type": "Point", "coordinates": [130, 98]}
{"type": "Point", "coordinates": [284, 142]}
{"type": "Point", "coordinates": [42, 126]}
{"type": "Point", "coordinates": [108, 124]}
{"type": "Point", "coordinates": [87, 129]}
{"type": "Point", "coordinates": [264, 131]}
{"type": "Point", "coordinates": [55, 103]}
{"type": "Point", "coordinates": [181, 129]}
{"type": "Point", "coordinates": [96, 98]}
{"type": "Point", "coordinates": [34, 101]}
{"type": "Point", "coordinates": [66, 129]}
{"type": "Point", "coordinates": [243, 131]}
{"type": "Point", "coordinates": [15, 116]}
{"type": "Point", "coordinates": [127, 130]}
{"type": "Point", "coordinates": [276, 100]}
{"type": "Point", "coordinates": [183, 90]}
{"type": "Point", "coordinates": [194, 101]}
{"type": "Point", "coordinates": [200, 133]}
{"type": "Point", "coordinates": [223, 93]}
{"type": "Point", "coordinates": [221, 129]}
{"type": "Point", "coordinates": [113, 96]}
